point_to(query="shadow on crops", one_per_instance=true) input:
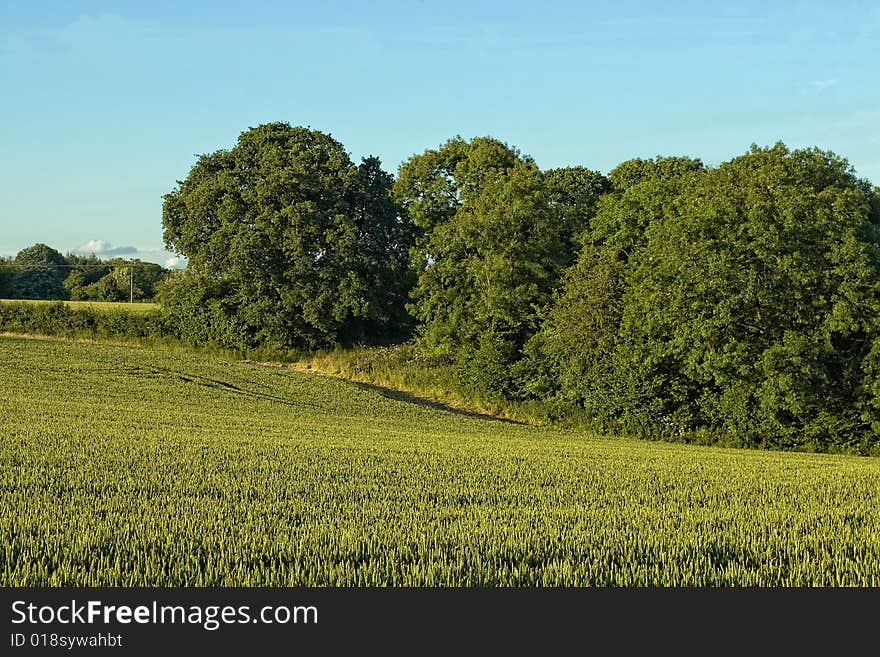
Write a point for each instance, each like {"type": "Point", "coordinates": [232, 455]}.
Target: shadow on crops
{"type": "Point", "coordinates": [216, 384]}
{"type": "Point", "coordinates": [399, 395]}
{"type": "Point", "coordinates": [224, 385]}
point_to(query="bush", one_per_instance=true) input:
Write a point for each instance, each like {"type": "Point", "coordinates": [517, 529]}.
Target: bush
{"type": "Point", "coordinates": [58, 319]}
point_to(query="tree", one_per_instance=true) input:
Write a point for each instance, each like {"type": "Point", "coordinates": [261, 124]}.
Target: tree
{"type": "Point", "coordinates": [572, 356]}
{"type": "Point", "coordinates": [642, 195]}
{"type": "Point", "coordinates": [746, 305]}
{"type": "Point", "coordinates": [40, 271]}
{"type": "Point", "coordinates": [768, 276]}
{"type": "Point", "coordinates": [6, 277]}
{"type": "Point", "coordinates": [576, 191]}
{"type": "Point", "coordinates": [115, 280]}
{"type": "Point", "coordinates": [433, 185]}
{"type": "Point", "coordinates": [494, 264]}
{"type": "Point", "coordinates": [631, 172]}
{"type": "Point", "coordinates": [382, 258]}
{"type": "Point", "coordinates": [297, 245]}
{"type": "Point", "coordinates": [496, 234]}
{"type": "Point", "coordinates": [84, 271]}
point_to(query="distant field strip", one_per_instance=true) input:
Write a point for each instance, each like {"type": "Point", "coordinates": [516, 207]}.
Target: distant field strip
{"type": "Point", "coordinates": [137, 307]}
{"type": "Point", "coordinates": [121, 466]}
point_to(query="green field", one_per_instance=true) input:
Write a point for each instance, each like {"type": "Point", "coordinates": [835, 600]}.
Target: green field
{"type": "Point", "coordinates": [137, 307]}
{"type": "Point", "coordinates": [122, 466]}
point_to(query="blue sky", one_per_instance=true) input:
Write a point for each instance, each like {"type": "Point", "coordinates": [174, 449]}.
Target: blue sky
{"type": "Point", "coordinates": [105, 104]}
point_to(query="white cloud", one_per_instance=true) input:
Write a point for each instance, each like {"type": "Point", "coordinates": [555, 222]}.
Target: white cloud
{"type": "Point", "coordinates": [93, 246]}
{"type": "Point", "coordinates": [104, 248]}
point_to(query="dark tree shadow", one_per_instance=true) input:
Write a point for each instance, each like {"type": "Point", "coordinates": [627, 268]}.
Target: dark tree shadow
{"type": "Point", "coordinates": [208, 382]}
{"type": "Point", "coordinates": [401, 396]}
{"type": "Point", "coordinates": [224, 385]}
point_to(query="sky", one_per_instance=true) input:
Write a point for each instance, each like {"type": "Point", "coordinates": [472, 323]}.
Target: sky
{"type": "Point", "coordinates": [105, 105]}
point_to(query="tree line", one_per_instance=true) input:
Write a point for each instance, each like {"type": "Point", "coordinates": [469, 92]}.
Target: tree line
{"type": "Point", "coordinates": [41, 272]}
{"type": "Point", "coordinates": [738, 302]}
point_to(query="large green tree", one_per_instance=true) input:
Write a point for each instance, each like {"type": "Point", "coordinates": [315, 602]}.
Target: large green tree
{"type": "Point", "coordinates": [496, 233]}
{"type": "Point", "coordinates": [745, 304]}
{"type": "Point", "coordinates": [432, 185]}
{"type": "Point", "coordinates": [573, 354]}
{"type": "Point", "coordinates": [493, 265]}
{"type": "Point", "coordinates": [437, 189]}
{"type": "Point", "coordinates": [39, 273]}
{"type": "Point", "coordinates": [643, 192]}
{"type": "Point", "coordinates": [289, 242]}
{"type": "Point", "coordinates": [493, 261]}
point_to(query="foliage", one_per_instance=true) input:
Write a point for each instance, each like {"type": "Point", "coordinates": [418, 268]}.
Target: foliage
{"type": "Point", "coordinates": [7, 275]}
{"type": "Point", "coordinates": [496, 233]}
{"type": "Point", "coordinates": [57, 318]}
{"type": "Point", "coordinates": [575, 191]}
{"type": "Point", "coordinates": [39, 272]}
{"type": "Point", "coordinates": [116, 279]}
{"type": "Point", "coordinates": [637, 170]}
{"type": "Point", "coordinates": [382, 259]}
{"type": "Point", "coordinates": [742, 301]}
{"type": "Point", "coordinates": [201, 312]}
{"type": "Point", "coordinates": [290, 241]}
{"type": "Point", "coordinates": [623, 216]}
{"type": "Point", "coordinates": [84, 272]}
{"type": "Point", "coordinates": [494, 264]}
{"type": "Point", "coordinates": [573, 354]}
{"type": "Point", "coordinates": [135, 467]}
{"type": "Point", "coordinates": [431, 186]}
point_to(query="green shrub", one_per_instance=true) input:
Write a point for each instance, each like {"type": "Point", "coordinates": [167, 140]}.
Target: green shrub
{"type": "Point", "coordinates": [58, 319]}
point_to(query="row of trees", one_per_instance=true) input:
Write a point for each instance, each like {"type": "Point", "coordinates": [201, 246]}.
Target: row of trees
{"type": "Point", "coordinates": [41, 272]}
{"type": "Point", "coordinates": [666, 297]}
{"type": "Point", "coordinates": [741, 300]}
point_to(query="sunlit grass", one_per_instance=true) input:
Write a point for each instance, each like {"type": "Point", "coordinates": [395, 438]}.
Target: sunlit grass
{"type": "Point", "coordinates": [123, 466]}
{"type": "Point", "coordinates": [136, 307]}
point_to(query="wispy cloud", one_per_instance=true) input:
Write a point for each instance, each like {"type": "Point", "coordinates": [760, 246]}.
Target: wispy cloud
{"type": "Point", "coordinates": [821, 85]}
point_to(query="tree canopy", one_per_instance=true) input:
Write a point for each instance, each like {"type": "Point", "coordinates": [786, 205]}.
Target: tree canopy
{"type": "Point", "coordinates": [742, 300]}
{"type": "Point", "coordinates": [495, 234]}
{"type": "Point", "coordinates": [432, 185]}
{"type": "Point", "coordinates": [631, 172]}
{"type": "Point", "coordinates": [575, 192]}
{"type": "Point", "coordinates": [39, 273]}
{"type": "Point", "coordinates": [290, 242]}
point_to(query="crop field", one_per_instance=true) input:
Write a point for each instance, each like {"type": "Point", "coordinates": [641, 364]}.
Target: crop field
{"type": "Point", "coordinates": [137, 307]}
{"type": "Point", "coordinates": [125, 466]}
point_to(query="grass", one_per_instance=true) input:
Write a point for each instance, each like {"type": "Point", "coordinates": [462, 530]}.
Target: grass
{"type": "Point", "coordinates": [137, 307]}
{"type": "Point", "coordinates": [402, 367]}
{"type": "Point", "coordinates": [125, 466]}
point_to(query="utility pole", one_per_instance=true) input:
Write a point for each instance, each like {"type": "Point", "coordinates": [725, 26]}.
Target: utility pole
{"type": "Point", "coordinates": [131, 284]}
